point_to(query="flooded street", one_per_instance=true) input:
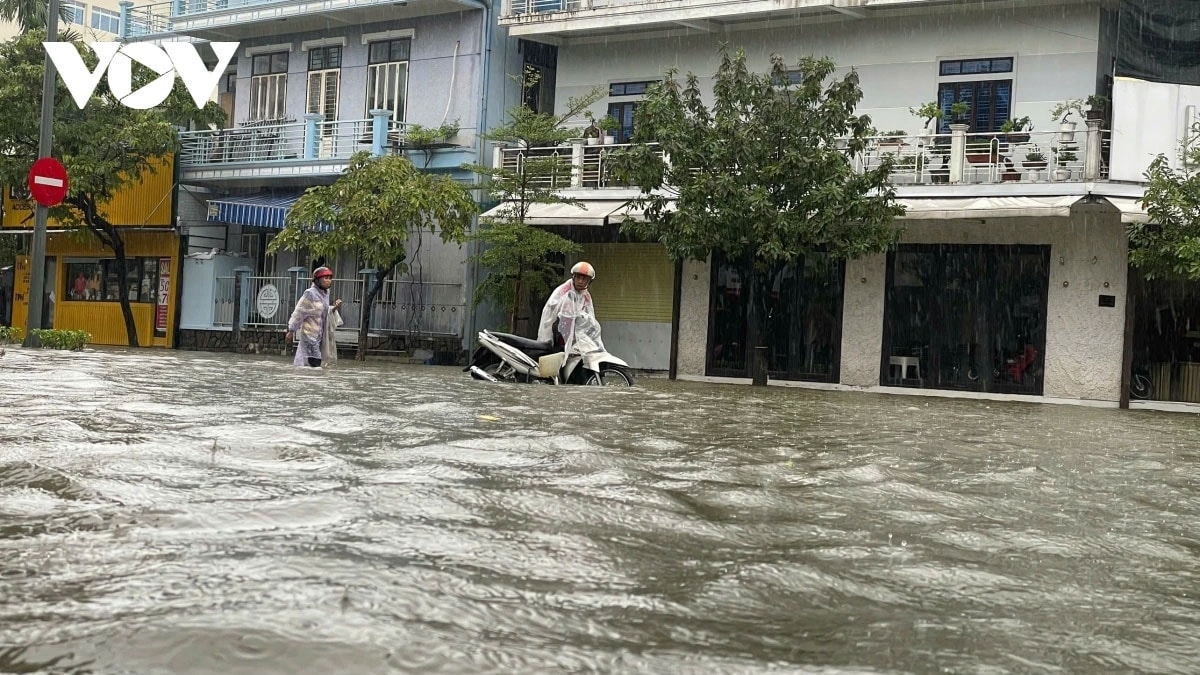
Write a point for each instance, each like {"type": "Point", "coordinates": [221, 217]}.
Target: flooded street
{"type": "Point", "coordinates": [186, 512]}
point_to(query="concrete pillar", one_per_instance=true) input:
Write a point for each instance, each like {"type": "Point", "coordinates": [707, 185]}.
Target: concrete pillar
{"type": "Point", "coordinates": [311, 137]}
{"type": "Point", "coordinates": [958, 151]}
{"type": "Point", "coordinates": [379, 131]}
{"type": "Point", "coordinates": [1091, 157]}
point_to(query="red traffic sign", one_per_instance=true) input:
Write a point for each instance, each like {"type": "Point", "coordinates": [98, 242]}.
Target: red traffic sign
{"type": "Point", "coordinates": [48, 181]}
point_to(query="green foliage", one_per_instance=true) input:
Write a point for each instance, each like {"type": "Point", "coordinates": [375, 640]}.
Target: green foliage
{"type": "Point", "coordinates": [760, 173]}
{"type": "Point", "coordinates": [9, 247]}
{"type": "Point", "coordinates": [73, 340]}
{"type": "Point", "coordinates": [538, 129]}
{"type": "Point", "coordinates": [1168, 246]}
{"type": "Point", "coordinates": [417, 136]}
{"type": "Point", "coordinates": [1062, 111]}
{"type": "Point", "coordinates": [960, 110]}
{"type": "Point", "coordinates": [11, 335]}
{"type": "Point", "coordinates": [515, 255]}
{"type": "Point", "coordinates": [370, 211]}
{"type": "Point", "coordinates": [928, 112]}
{"type": "Point", "coordinates": [517, 258]}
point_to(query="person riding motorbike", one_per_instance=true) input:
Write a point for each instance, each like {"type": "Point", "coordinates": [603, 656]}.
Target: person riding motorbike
{"type": "Point", "coordinates": [570, 307]}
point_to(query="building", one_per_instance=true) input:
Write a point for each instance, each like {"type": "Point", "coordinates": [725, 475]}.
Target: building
{"type": "Point", "coordinates": [81, 281]}
{"type": "Point", "coordinates": [95, 21]}
{"type": "Point", "coordinates": [310, 86]}
{"type": "Point", "coordinates": [1011, 278]}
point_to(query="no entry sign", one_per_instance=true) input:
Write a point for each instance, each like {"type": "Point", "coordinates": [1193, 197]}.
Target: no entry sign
{"type": "Point", "coordinates": [48, 181]}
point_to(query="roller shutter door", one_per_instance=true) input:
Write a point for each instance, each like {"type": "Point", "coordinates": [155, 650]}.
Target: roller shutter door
{"type": "Point", "coordinates": [634, 282]}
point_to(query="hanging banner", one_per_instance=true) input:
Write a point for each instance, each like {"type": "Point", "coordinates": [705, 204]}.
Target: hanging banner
{"type": "Point", "coordinates": [164, 296]}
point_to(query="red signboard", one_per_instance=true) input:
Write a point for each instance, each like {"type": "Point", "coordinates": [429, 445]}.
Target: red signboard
{"type": "Point", "coordinates": [48, 181]}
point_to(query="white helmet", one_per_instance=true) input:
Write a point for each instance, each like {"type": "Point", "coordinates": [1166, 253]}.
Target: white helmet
{"type": "Point", "coordinates": [584, 268]}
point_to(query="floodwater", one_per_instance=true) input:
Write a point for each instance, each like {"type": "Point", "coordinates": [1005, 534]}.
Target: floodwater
{"type": "Point", "coordinates": [170, 512]}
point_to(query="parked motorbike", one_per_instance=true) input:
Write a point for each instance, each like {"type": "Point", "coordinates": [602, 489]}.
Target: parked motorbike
{"type": "Point", "coordinates": [502, 357]}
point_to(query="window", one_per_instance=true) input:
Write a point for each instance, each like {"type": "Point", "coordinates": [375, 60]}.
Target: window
{"type": "Point", "coordinates": [74, 12]}
{"type": "Point", "coordinates": [324, 70]}
{"type": "Point", "coordinates": [629, 88]}
{"type": "Point", "coordinates": [990, 101]}
{"type": "Point", "coordinates": [97, 280]}
{"type": "Point", "coordinates": [976, 66]}
{"type": "Point", "coordinates": [387, 76]}
{"type": "Point", "coordinates": [106, 20]}
{"type": "Point", "coordinates": [623, 114]}
{"type": "Point", "coordinates": [984, 84]}
{"type": "Point", "coordinates": [622, 111]}
{"type": "Point", "coordinates": [268, 86]}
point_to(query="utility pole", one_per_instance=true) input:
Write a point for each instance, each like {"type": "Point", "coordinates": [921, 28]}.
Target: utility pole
{"type": "Point", "coordinates": [37, 253]}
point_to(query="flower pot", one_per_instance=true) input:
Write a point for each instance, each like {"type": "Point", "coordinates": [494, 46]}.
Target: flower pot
{"type": "Point", "coordinates": [609, 140]}
{"type": "Point", "coordinates": [1062, 174]}
{"type": "Point", "coordinates": [1066, 133]}
{"type": "Point", "coordinates": [1035, 166]}
{"type": "Point", "coordinates": [593, 140]}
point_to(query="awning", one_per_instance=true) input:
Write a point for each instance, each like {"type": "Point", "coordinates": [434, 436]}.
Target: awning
{"type": "Point", "coordinates": [988, 207]}
{"type": "Point", "coordinates": [585, 212]}
{"type": "Point", "coordinates": [260, 210]}
{"type": "Point", "coordinates": [1131, 209]}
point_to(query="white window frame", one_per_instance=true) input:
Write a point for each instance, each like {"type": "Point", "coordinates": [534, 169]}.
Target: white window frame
{"type": "Point", "coordinates": [268, 94]}
{"type": "Point", "coordinates": [101, 15]}
{"type": "Point", "coordinates": [80, 14]}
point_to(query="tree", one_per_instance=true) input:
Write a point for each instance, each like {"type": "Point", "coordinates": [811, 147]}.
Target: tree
{"type": "Point", "coordinates": [106, 147]}
{"type": "Point", "coordinates": [520, 258]}
{"type": "Point", "coordinates": [31, 14]}
{"type": "Point", "coordinates": [764, 175]}
{"type": "Point", "coordinates": [370, 211]}
{"type": "Point", "coordinates": [1168, 246]}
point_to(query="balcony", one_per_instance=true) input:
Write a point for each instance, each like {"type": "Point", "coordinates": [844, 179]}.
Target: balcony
{"type": "Point", "coordinates": [225, 20]}
{"type": "Point", "coordinates": [283, 149]}
{"type": "Point", "coordinates": [957, 158]}
{"type": "Point", "coordinates": [567, 18]}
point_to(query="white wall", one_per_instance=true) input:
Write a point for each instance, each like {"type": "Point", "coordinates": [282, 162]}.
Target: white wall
{"type": "Point", "coordinates": [1149, 119]}
{"type": "Point", "coordinates": [1055, 52]}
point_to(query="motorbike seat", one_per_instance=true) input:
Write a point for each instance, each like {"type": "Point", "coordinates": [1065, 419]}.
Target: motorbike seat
{"type": "Point", "coordinates": [524, 344]}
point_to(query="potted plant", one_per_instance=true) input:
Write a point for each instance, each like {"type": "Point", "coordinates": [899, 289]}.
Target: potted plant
{"type": "Point", "coordinates": [1062, 158]}
{"type": "Point", "coordinates": [1096, 106]}
{"type": "Point", "coordinates": [1062, 112]}
{"type": "Point", "coordinates": [959, 112]}
{"type": "Point", "coordinates": [608, 124]}
{"type": "Point", "coordinates": [592, 131]}
{"type": "Point", "coordinates": [927, 112]}
{"type": "Point", "coordinates": [1017, 129]}
{"type": "Point", "coordinates": [1035, 160]}
{"type": "Point", "coordinates": [893, 139]}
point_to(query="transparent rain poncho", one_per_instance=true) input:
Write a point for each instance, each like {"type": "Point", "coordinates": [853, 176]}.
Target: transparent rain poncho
{"type": "Point", "coordinates": [576, 318]}
{"type": "Point", "coordinates": [314, 328]}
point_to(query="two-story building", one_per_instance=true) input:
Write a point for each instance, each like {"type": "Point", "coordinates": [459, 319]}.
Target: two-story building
{"type": "Point", "coordinates": [312, 84]}
{"type": "Point", "coordinates": [1012, 272]}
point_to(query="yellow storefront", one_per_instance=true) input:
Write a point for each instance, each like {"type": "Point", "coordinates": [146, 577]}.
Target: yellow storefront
{"type": "Point", "coordinates": [81, 273]}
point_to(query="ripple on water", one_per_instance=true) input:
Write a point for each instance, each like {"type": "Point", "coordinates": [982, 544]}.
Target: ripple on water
{"type": "Point", "coordinates": [184, 512]}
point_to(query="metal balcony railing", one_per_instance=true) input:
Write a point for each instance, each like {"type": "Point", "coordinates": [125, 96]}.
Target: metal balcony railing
{"type": "Point", "coordinates": [286, 140]}
{"type": "Point", "coordinates": [926, 159]}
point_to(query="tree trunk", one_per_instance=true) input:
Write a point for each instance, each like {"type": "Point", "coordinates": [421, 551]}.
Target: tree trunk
{"type": "Point", "coordinates": [364, 324]}
{"type": "Point", "coordinates": [757, 338]}
{"type": "Point", "coordinates": [118, 247]}
{"type": "Point", "coordinates": [110, 236]}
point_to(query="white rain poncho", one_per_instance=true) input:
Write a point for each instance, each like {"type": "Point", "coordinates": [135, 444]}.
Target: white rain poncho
{"type": "Point", "coordinates": [576, 318]}
{"type": "Point", "coordinates": [314, 327]}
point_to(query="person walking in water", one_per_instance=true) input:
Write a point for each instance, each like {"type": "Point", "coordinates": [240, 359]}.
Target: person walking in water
{"type": "Point", "coordinates": [314, 321]}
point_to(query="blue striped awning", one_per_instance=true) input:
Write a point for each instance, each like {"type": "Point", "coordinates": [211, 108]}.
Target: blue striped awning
{"type": "Point", "coordinates": [260, 210]}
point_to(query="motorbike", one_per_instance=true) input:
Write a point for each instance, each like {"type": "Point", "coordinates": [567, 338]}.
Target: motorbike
{"type": "Point", "coordinates": [503, 357]}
